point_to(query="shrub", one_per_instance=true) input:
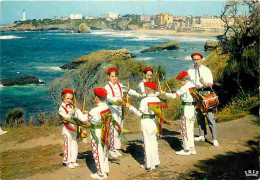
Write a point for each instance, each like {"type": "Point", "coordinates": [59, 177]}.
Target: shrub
{"type": "Point", "coordinates": [240, 106]}
{"type": "Point", "coordinates": [15, 117]}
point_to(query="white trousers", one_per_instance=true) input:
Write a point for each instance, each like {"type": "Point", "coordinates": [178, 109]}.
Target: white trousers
{"type": "Point", "coordinates": [149, 130]}
{"type": "Point", "coordinates": [99, 154]}
{"type": "Point", "coordinates": [70, 146]}
{"type": "Point", "coordinates": [117, 116]}
{"type": "Point", "coordinates": [187, 127]}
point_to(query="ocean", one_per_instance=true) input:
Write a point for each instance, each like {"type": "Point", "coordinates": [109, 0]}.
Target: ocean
{"type": "Point", "coordinates": [40, 54]}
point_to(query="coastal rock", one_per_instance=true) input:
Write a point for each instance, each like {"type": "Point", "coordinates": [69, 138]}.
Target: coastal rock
{"type": "Point", "coordinates": [21, 81]}
{"type": "Point", "coordinates": [210, 45]}
{"type": "Point", "coordinates": [98, 56]}
{"type": "Point", "coordinates": [83, 28]}
{"type": "Point", "coordinates": [167, 46]}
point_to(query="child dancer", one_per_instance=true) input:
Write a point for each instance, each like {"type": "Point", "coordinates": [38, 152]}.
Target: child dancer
{"type": "Point", "coordinates": [188, 111]}
{"type": "Point", "coordinates": [69, 130]}
{"type": "Point", "coordinates": [100, 118]}
{"type": "Point", "coordinates": [115, 92]}
{"type": "Point", "coordinates": [150, 107]}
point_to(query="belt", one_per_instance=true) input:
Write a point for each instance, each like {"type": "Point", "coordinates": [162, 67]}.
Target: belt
{"type": "Point", "coordinates": [188, 103]}
{"type": "Point", "coordinates": [148, 116]}
{"type": "Point", "coordinates": [95, 126]}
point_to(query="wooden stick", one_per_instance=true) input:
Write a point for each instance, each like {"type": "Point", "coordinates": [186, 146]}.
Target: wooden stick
{"type": "Point", "coordinates": [84, 103]}
{"type": "Point", "coordinates": [74, 99]}
{"type": "Point", "coordinates": [159, 84]}
{"type": "Point", "coordinates": [167, 84]}
{"type": "Point", "coordinates": [127, 96]}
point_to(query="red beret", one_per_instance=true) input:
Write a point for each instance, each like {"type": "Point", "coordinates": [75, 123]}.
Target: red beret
{"type": "Point", "coordinates": [151, 84]}
{"type": "Point", "coordinates": [196, 54]}
{"type": "Point", "coordinates": [102, 92]}
{"type": "Point", "coordinates": [147, 69]}
{"type": "Point", "coordinates": [65, 91]}
{"type": "Point", "coordinates": [182, 75]}
{"type": "Point", "coordinates": [112, 69]}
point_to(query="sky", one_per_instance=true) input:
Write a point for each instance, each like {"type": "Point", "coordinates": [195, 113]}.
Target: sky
{"type": "Point", "coordinates": [11, 10]}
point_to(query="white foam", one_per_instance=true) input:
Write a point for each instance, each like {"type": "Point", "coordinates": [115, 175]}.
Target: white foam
{"type": "Point", "coordinates": [10, 37]}
{"type": "Point", "coordinates": [144, 58]}
{"type": "Point", "coordinates": [48, 68]}
{"type": "Point", "coordinates": [187, 58]}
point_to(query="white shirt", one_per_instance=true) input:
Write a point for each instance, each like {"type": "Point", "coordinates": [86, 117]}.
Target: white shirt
{"type": "Point", "coordinates": [94, 116]}
{"type": "Point", "coordinates": [205, 73]}
{"type": "Point", "coordinates": [116, 90]}
{"type": "Point", "coordinates": [144, 108]}
{"type": "Point", "coordinates": [65, 110]}
{"type": "Point", "coordinates": [183, 92]}
{"type": "Point", "coordinates": [141, 87]}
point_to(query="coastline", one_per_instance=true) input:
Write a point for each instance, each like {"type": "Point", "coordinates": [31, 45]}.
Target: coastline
{"type": "Point", "coordinates": [171, 32]}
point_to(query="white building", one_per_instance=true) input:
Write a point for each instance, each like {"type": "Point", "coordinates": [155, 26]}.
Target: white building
{"type": "Point", "coordinates": [145, 18]}
{"type": "Point", "coordinates": [75, 16]}
{"type": "Point", "coordinates": [64, 18]}
{"type": "Point", "coordinates": [110, 15]}
{"type": "Point", "coordinates": [90, 17]}
{"type": "Point", "coordinates": [24, 15]}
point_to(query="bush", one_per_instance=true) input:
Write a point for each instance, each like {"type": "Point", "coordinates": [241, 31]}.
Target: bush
{"type": "Point", "coordinates": [15, 117]}
{"type": "Point", "coordinates": [239, 107]}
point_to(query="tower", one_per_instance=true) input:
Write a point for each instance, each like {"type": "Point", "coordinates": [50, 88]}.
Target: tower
{"type": "Point", "coordinates": [24, 15]}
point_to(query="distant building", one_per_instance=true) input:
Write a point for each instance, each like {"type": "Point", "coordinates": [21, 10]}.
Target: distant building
{"type": "Point", "coordinates": [163, 19]}
{"type": "Point", "coordinates": [212, 23]}
{"type": "Point", "coordinates": [24, 19]}
{"type": "Point", "coordinates": [75, 16]}
{"type": "Point", "coordinates": [90, 17]}
{"type": "Point", "coordinates": [55, 17]}
{"type": "Point", "coordinates": [64, 18]}
{"type": "Point", "coordinates": [110, 16]}
{"type": "Point", "coordinates": [145, 18]}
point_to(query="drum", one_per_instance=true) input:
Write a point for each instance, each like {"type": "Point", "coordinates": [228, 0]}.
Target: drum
{"type": "Point", "coordinates": [210, 101]}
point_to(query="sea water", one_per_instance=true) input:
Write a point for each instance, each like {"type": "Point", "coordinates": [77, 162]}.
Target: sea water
{"type": "Point", "coordinates": [40, 54]}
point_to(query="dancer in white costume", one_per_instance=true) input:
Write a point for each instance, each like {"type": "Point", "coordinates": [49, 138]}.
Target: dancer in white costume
{"type": "Point", "coordinates": [188, 111]}
{"type": "Point", "coordinates": [115, 92]}
{"type": "Point", "coordinates": [149, 125]}
{"type": "Point", "coordinates": [69, 130]}
{"type": "Point", "coordinates": [100, 118]}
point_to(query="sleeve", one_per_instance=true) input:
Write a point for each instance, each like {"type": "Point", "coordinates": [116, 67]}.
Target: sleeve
{"type": "Point", "coordinates": [63, 113]}
{"type": "Point", "coordinates": [209, 77]}
{"type": "Point", "coordinates": [171, 95]}
{"type": "Point", "coordinates": [110, 97]}
{"type": "Point", "coordinates": [141, 88]}
{"type": "Point", "coordinates": [139, 111]}
{"type": "Point", "coordinates": [134, 93]}
{"type": "Point", "coordinates": [82, 117]}
{"type": "Point", "coordinates": [181, 91]}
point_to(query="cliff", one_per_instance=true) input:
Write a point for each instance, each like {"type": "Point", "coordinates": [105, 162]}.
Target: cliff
{"type": "Point", "coordinates": [98, 57]}
{"type": "Point", "coordinates": [167, 46]}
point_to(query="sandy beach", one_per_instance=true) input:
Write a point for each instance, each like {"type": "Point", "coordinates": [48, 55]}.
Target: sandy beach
{"type": "Point", "coordinates": [171, 32]}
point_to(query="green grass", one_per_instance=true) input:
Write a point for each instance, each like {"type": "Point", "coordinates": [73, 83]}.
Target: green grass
{"type": "Point", "coordinates": [24, 133]}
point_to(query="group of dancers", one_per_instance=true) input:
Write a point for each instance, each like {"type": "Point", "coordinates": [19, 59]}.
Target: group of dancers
{"type": "Point", "coordinates": [107, 123]}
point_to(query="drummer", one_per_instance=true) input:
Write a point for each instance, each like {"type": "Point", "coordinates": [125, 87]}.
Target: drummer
{"type": "Point", "coordinates": [202, 78]}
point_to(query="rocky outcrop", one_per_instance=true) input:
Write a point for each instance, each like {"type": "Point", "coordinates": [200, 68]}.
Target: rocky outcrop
{"type": "Point", "coordinates": [167, 46]}
{"type": "Point", "coordinates": [210, 45]}
{"type": "Point", "coordinates": [98, 56]}
{"type": "Point", "coordinates": [21, 81]}
{"type": "Point", "coordinates": [83, 28]}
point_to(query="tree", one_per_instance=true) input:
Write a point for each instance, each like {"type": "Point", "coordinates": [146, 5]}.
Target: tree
{"type": "Point", "coordinates": [241, 42]}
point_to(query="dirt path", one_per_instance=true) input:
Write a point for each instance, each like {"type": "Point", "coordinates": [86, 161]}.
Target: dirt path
{"type": "Point", "coordinates": [232, 136]}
